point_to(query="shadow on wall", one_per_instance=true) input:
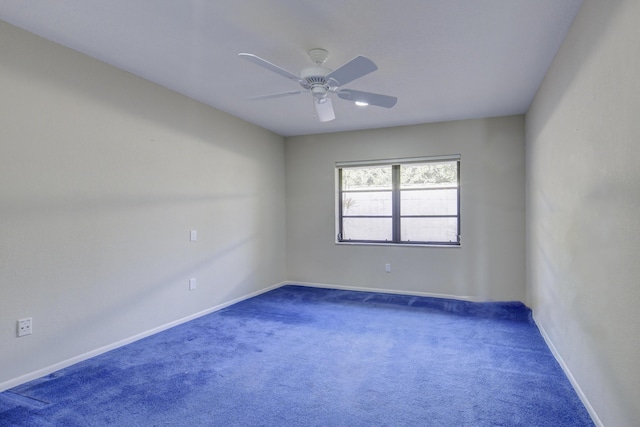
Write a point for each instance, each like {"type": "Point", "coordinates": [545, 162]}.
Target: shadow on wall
{"type": "Point", "coordinates": [119, 91]}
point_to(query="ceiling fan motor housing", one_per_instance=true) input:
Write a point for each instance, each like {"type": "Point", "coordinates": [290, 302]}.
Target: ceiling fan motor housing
{"type": "Point", "coordinates": [315, 80]}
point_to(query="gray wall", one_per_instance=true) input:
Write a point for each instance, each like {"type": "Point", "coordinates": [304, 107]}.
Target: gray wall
{"type": "Point", "coordinates": [102, 175]}
{"type": "Point", "coordinates": [583, 207]}
{"type": "Point", "coordinates": [489, 265]}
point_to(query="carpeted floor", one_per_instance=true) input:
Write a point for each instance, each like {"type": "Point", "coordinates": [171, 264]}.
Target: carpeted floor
{"type": "Point", "coordinates": [299, 356]}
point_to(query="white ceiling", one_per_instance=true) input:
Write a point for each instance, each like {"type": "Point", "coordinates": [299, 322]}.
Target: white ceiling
{"type": "Point", "coordinates": [443, 59]}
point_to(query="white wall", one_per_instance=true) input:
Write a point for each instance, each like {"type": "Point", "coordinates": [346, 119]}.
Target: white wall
{"type": "Point", "coordinates": [490, 264]}
{"type": "Point", "coordinates": [583, 207]}
{"type": "Point", "coordinates": [102, 175]}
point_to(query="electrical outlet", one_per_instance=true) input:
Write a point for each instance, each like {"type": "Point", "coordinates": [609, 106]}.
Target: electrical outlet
{"type": "Point", "coordinates": [193, 236]}
{"type": "Point", "coordinates": [387, 268]}
{"type": "Point", "coordinates": [192, 284]}
{"type": "Point", "coordinates": [24, 327]}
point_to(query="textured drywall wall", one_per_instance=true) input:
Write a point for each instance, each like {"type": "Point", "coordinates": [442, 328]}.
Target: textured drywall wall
{"type": "Point", "coordinates": [102, 177]}
{"type": "Point", "coordinates": [489, 265]}
{"type": "Point", "coordinates": [583, 207]}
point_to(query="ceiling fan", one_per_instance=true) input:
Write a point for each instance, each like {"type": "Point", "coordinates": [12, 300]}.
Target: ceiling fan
{"type": "Point", "coordinates": [321, 81]}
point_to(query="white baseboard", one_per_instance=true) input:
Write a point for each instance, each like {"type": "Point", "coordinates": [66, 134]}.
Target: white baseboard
{"type": "Point", "coordinates": [385, 291]}
{"type": "Point", "coordinates": [72, 361]}
{"type": "Point", "coordinates": [572, 380]}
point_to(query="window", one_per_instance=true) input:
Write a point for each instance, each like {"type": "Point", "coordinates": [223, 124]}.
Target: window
{"type": "Point", "coordinates": [407, 201]}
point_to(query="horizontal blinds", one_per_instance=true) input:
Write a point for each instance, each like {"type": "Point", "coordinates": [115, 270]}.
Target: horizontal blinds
{"type": "Point", "coordinates": [446, 158]}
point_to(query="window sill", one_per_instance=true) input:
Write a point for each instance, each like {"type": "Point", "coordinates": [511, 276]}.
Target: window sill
{"type": "Point", "coordinates": [404, 245]}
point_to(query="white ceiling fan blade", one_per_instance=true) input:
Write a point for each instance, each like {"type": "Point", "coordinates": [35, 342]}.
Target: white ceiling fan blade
{"type": "Point", "coordinates": [269, 66]}
{"type": "Point", "coordinates": [324, 109]}
{"type": "Point", "coordinates": [368, 98]}
{"type": "Point", "coordinates": [354, 69]}
{"type": "Point", "coordinates": [277, 95]}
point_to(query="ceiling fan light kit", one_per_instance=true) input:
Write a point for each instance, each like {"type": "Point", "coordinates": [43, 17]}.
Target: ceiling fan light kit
{"type": "Point", "coordinates": [324, 109]}
{"type": "Point", "coordinates": [321, 81]}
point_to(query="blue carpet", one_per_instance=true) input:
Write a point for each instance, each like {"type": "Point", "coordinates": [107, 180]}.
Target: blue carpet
{"type": "Point", "coordinates": [299, 356]}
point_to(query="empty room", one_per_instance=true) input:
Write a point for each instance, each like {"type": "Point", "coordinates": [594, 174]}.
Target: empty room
{"type": "Point", "coordinates": [336, 213]}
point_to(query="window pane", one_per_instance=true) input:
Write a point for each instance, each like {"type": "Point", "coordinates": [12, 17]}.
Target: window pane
{"type": "Point", "coordinates": [367, 178]}
{"type": "Point", "coordinates": [370, 203]}
{"type": "Point", "coordinates": [429, 175]}
{"type": "Point", "coordinates": [429, 229]}
{"type": "Point", "coordinates": [367, 229]}
{"type": "Point", "coordinates": [429, 202]}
